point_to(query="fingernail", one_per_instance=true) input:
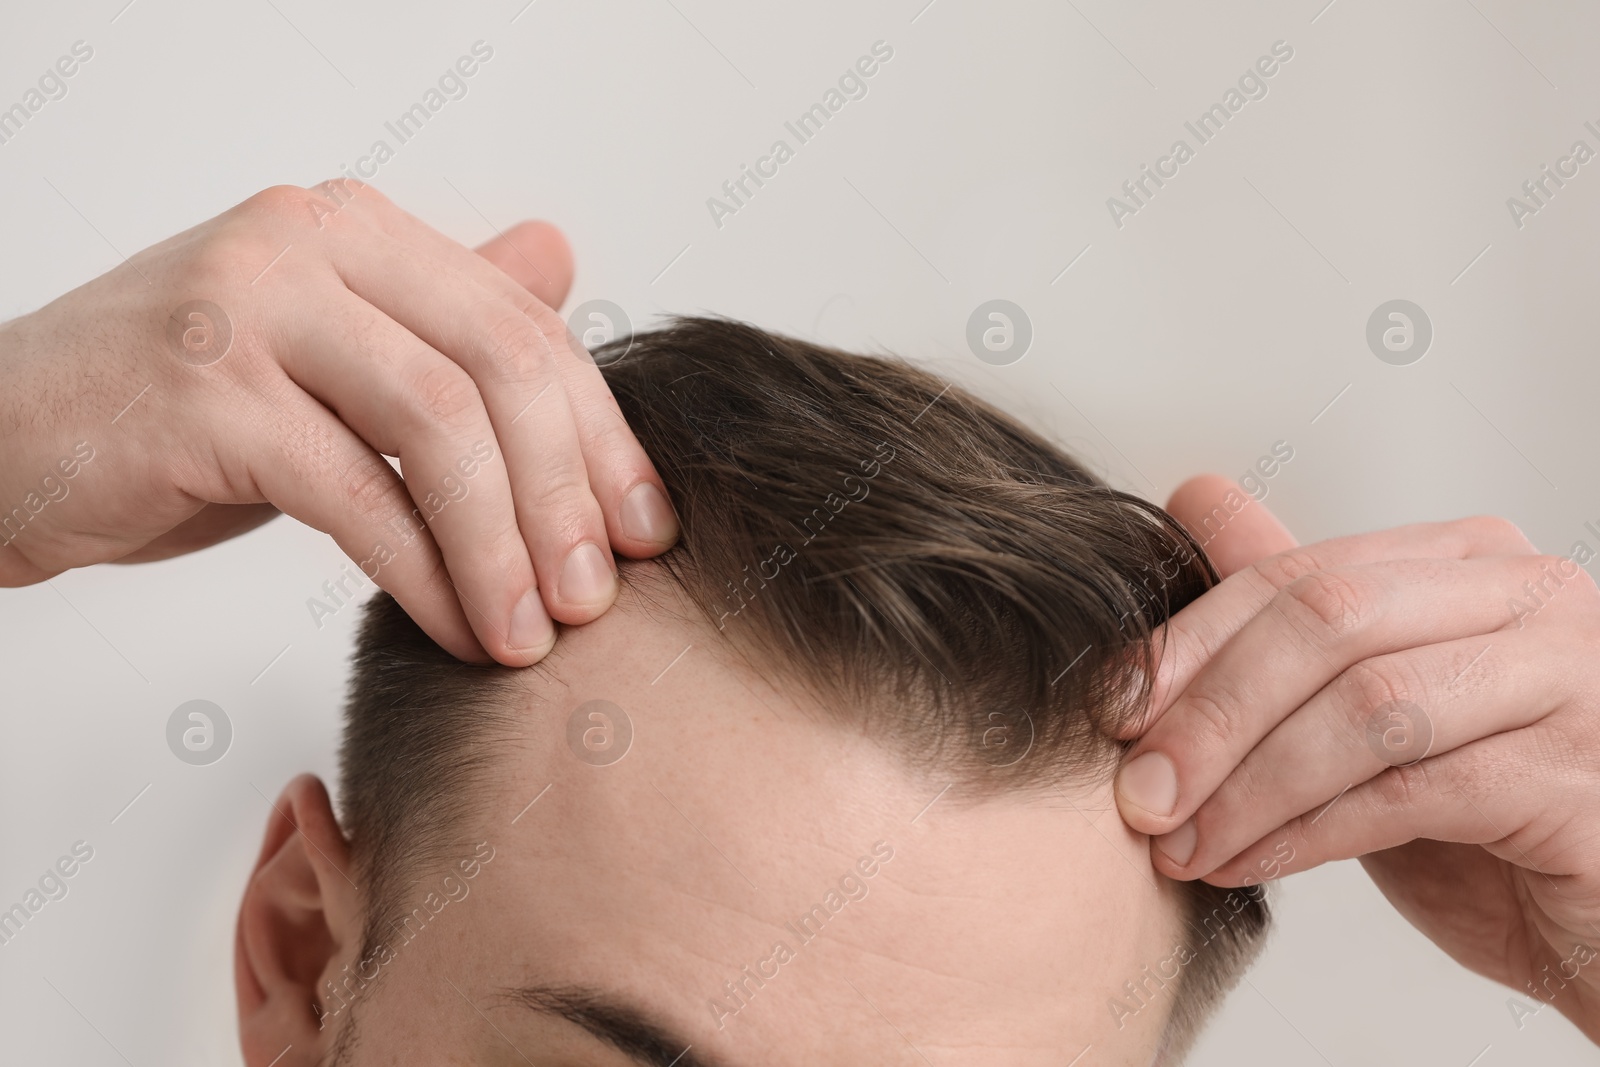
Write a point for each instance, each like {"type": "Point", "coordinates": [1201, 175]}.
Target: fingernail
{"type": "Point", "coordinates": [646, 516]}
{"type": "Point", "coordinates": [1151, 782]}
{"type": "Point", "coordinates": [531, 628]}
{"type": "Point", "coordinates": [586, 576]}
{"type": "Point", "coordinates": [1178, 846]}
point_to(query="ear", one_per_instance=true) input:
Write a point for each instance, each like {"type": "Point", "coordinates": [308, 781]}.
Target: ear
{"type": "Point", "coordinates": [1250, 534]}
{"type": "Point", "coordinates": [301, 917]}
{"type": "Point", "coordinates": [537, 257]}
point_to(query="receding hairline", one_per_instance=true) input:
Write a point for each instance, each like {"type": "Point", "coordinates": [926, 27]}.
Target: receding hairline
{"type": "Point", "coordinates": [702, 395]}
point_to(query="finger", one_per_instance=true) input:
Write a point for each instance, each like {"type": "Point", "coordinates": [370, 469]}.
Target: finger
{"type": "Point", "coordinates": [1382, 712]}
{"type": "Point", "coordinates": [1476, 795]}
{"type": "Point", "coordinates": [639, 520]}
{"type": "Point", "coordinates": [17, 570]}
{"type": "Point", "coordinates": [1189, 640]}
{"type": "Point", "coordinates": [405, 399]}
{"type": "Point", "coordinates": [1311, 631]}
{"type": "Point", "coordinates": [208, 526]}
{"type": "Point", "coordinates": [511, 361]}
{"type": "Point", "coordinates": [331, 480]}
{"type": "Point", "coordinates": [1233, 528]}
{"type": "Point", "coordinates": [536, 256]}
{"type": "Point", "coordinates": [533, 254]}
{"type": "Point", "coordinates": [1419, 874]}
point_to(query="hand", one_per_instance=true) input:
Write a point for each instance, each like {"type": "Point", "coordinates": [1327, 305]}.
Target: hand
{"type": "Point", "coordinates": [336, 330]}
{"type": "Point", "coordinates": [1424, 698]}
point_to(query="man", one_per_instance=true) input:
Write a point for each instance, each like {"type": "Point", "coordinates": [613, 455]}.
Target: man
{"type": "Point", "coordinates": [1422, 698]}
{"type": "Point", "coordinates": [830, 784]}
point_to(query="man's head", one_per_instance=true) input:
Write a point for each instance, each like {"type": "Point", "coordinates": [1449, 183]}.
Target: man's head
{"type": "Point", "coordinates": [831, 783]}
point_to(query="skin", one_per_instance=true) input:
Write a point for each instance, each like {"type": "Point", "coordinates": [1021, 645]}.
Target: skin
{"type": "Point", "coordinates": [1472, 805]}
{"type": "Point", "coordinates": [360, 333]}
{"type": "Point", "coordinates": [357, 332]}
{"type": "Point", "coordinates": [995, 934]}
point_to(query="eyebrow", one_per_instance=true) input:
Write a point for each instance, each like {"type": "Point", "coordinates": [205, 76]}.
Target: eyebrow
{"type": "Point", "coordinates": [620, 1024]}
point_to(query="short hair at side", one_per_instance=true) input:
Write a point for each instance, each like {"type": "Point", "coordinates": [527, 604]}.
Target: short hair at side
{"type": "Point", "coordinates": [912, 556]}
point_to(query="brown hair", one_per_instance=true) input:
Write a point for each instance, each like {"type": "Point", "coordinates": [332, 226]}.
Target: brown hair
{"type": "Point", "coordinates": [917, 559]}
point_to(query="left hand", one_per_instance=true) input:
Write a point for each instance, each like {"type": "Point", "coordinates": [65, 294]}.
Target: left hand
{"type": "Point", "coordinates": [1425, 698]}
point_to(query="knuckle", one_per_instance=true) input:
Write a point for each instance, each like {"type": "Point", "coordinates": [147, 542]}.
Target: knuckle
{"type": "Point", "coordinates": [368, 486]}
{"type": "Point", "coordinates": [229, 257]}
{"type": "Point", "coordinates": [328, 202]}
{"type": "Point", "coordinates": [1210, 724]}
{"type": "Point", "coordinates": [347, 187]}
{"type": "Point", "coordinates": [1368, 686]}
{"type": "Point", "coordinates": [1285, 567]}
{"type": "Point", "coordinates": [543, 317]}
{"type": "Point", "coordinates": [513, 347]}
{"type": "Point", "coordinates": [444, 395]}
{"type": "Point", "coordinates": [1330, 598]}
{"type": "Point", "coordinates": [1404, 786]}
{"type": "Point", "coordinates": [314, 208]}
{"type": "Point", "coordinates": [1238, 797]}
{"type": "Point", "coordinates": [384, 349]}
{"type": "Point", "coordinates": [601, 423]}
{"type": "Point", "coordinates": [1497, 530]}
{"type": "Point", "coordinates": [280, 202]}
{"type": "Point", "coordinates": [508, 555]}
{"type": "Point", "coordinates": [562, 499]}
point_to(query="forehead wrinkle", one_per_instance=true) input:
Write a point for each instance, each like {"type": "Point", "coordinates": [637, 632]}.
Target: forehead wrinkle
{"type": "Point", "coordinates": [800, 809]}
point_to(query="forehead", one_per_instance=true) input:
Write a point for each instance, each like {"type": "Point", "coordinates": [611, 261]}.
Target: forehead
{"type": "Point", "coordinates": [671, 825]}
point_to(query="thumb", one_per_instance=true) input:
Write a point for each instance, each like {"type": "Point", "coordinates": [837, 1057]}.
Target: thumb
{"type": "Point", "coordinates": [1233, 527]}
{"type": "Point", "coordinates": [537, 257]}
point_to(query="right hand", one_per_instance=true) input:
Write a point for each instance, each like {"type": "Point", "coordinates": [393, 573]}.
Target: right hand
{"type": "Point", "coordinates": [357, 332]}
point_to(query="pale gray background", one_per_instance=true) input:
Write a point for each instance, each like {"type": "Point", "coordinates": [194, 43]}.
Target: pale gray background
{"type": "Point", "coordinates": [1224, 317]}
